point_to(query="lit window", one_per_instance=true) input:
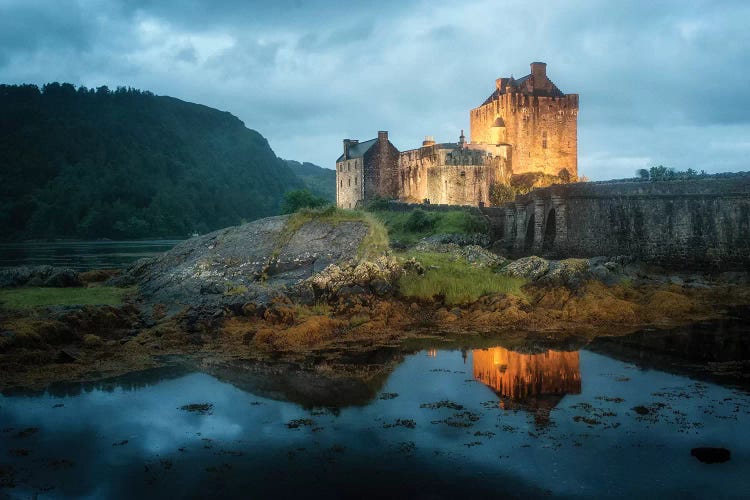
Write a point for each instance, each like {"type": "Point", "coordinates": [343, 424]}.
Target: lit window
{"type": "Point", "coordinates": [544, 140]}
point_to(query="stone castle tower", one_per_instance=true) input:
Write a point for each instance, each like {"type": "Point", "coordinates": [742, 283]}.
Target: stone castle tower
{"type": "Point", "coordinates": [526, 126]}
{"type": "Point", "coordinates": [533, 116]}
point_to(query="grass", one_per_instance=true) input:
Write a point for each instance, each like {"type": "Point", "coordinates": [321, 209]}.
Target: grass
{"type": "Point", "coordinates": [374, 244]}
{"type": "Point", "coordinates": [25, 298]}
{"type": "Point", "coordinates": [401, 227]}
{"type": "Point", "coordinates": [455, 279]}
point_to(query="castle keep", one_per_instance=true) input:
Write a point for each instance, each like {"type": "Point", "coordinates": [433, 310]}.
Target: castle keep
{"type": "Point", "coordinates": [526, 126]}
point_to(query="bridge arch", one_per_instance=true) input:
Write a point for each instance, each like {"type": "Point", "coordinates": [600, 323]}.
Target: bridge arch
{"type": "Point", "coordinates": [550, 230]}
{"type": "Point", "coordinates": [528, 243]}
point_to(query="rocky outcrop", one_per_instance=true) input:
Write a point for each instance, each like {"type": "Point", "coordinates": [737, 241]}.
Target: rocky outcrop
{"type": "Point", "coordinates": [377, 277]}
{"type": "Point", "coordinates": [253, 263]}
{"type": "Point", "coordinates": [46, 276]}
{"type": "Point", "coordinates": [568, 272]}
{"type": "Point", "coordinates": [474, 254]}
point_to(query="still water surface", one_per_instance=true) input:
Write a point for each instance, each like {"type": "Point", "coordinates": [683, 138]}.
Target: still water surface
{"type": "Point", "coordinates": [478, 421]}
{"type": "Point", "coordinates": [81, 255]}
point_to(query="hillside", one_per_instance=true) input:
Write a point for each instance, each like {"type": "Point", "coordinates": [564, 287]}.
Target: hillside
{"type": "Point", "coordinates": [80, 163]}
{"type": "Point", "coordinates": [320, 181]}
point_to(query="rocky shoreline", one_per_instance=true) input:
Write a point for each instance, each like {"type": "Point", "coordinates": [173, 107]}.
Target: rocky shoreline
{"type": "Point", "coordinates": [314, 289]}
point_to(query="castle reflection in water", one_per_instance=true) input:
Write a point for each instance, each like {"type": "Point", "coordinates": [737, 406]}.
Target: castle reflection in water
{"type": "Point", "coordinates": [532, 381]}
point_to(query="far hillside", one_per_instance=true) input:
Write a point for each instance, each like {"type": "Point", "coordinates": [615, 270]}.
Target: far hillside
{"type": "Point", "coordinates": [320, 181]}
{"type": "Point", "coordinates": [120, 164]}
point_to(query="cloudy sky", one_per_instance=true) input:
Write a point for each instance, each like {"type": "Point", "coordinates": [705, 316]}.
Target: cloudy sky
{"type": "Point", "coordinates": [664, 82]}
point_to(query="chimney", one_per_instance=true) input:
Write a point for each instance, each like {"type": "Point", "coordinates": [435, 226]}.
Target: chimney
{"type": "Point", "coordinates": [428, 141]}
{"type": "Point", "coordinates": [539, 72]}
{"type": "Point", "coordinates": [383, 136]}
{"type": "Point", "coordinates": [347, 144]}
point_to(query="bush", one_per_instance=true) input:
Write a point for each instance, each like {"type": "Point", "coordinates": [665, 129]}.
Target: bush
{"type": "Point", "coordinates": [419, 221]}
{"type": "Point", "coordinates": [299, 199]}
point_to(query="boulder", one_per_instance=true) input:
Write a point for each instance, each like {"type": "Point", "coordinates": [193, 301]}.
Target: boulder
{"type": "Point", "coordinates": [473, 254]}
{"type": "Point", "coordinates": [258, 262]}
{"type": "Point", "coordinates": [567, 272]}
{"type": "Point", "coordinates": [48, 276]}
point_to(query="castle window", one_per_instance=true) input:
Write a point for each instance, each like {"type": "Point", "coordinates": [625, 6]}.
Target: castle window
{"type": "Point", "coordinates": [341, 183]}
{"type": "Point", "coordinates": [544, 139]}
{"type": "Point", "coordinates": [349, 182]}
{"type": "Point", "coordinates": [355, 181]}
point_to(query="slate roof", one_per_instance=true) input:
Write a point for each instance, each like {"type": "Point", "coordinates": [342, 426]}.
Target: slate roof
{"type": "Point", "coordinates": [517, 82]}
{"type": "Point", "coordinates": [358, 150]}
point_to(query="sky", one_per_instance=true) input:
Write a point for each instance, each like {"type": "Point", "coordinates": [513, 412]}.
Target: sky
{"type": "Point", "coordinates": [660, 82]}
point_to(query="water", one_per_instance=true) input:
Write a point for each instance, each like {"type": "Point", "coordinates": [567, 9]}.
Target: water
{"type": "Point", "coordinates": [81, 255]}
{"type": "Point", "coordinates": [437, 422]}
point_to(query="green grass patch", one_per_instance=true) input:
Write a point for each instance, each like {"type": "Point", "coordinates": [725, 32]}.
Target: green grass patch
{"type": "Point", "coordinates": [455, 279]}
{"type": "Point", "coordinates": [375, 243]}
{"type": "Point", "coordinates": [410, 227]}
{"type": "Point", "coordinates": [24, 298]}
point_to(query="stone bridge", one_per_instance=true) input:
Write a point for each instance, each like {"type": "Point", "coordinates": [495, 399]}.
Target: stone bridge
{"type": "Point", "coordinates": [702, 222]}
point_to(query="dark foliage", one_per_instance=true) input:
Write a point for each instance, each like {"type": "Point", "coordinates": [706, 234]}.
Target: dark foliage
{"type": "Point", "coordinates": [419, 220]}
{"type": "Point", "coordinates": [301, 198]}
{"type": "Point", "coordinates": [662, 173]}
{"type": "Point", "coordinates": [91, 163]}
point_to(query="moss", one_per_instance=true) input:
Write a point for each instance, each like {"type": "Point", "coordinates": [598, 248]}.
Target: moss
{"type": "Point", "coordinates": [401, 225]}
{"type": "Point", "coordinates": [375, 243]}
{"type": "Point", "coordinates": [24, 298]}
{"type": "Point", "coordinates": [453, 278]}
{"type": "Point", "coordinates": [234, 290]}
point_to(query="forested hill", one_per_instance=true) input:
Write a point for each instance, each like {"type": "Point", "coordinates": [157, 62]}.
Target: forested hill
{"type": "Point", "coordinates": [80, 163]}
{"type": "Point", "coordinates": [320, 181]}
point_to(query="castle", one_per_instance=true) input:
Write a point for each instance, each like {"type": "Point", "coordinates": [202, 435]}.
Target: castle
{"type": "Point", "coordinates": [526, 126]}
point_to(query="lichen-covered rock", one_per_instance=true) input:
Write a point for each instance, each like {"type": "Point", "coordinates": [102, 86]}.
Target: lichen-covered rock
{"type": "Point", "coordinates": [568, 272]}
{"type": "Point", "coordinates": [47, 276]}
{"type": "Point", "coordinates": [252, 263]}
{"type": "Point", "coordinates": [529, 268]}
{"type": "Point", "coordinates": [377, 276]}
{"type": "Point", "coordinates": [473, 254]}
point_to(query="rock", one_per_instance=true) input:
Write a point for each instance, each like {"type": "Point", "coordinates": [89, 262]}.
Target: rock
{"type": "Point", "coordinates": [711, 455]}
{"type": "Point", "coordinates": [530, 268]}
{"type": "Point", "coordinates": [473, 254]}
{"type": "Point", "coordinates": [377, 276]}
{"type": "Point", "coordinates": [65, 356]}
{"type": "Point", "coordinates": [567, 272]}
{"type": "Point", "coordinates": [63, 278]}
{"type": "Point", "coordinates": [253, 263]}
{"type": "Point", "coordinates": [39, 276]}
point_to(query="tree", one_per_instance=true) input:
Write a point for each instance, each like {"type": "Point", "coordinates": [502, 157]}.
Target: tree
{"type": "Point", "coordinates": [301, 198]}
{"type": "Point", "coordinates": [642, 174]}
{"type": "Point", "coordinates": [501, 194]}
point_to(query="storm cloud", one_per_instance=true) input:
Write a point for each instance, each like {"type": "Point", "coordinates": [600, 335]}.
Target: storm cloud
{"type": "Point", "coordinates": [659, 82]}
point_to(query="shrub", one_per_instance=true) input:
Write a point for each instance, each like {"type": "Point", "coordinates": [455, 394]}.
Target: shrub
{"type": "Point", "coordinates": [419, 221]}
{"type": "Point", "coordinates": [299, 199]}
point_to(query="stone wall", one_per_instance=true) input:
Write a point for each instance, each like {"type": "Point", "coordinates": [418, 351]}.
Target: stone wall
{"type": "Point", "coordinates": [703, 223]}
{"type": "Point", "coordinates": [381, 169]}
{"type": "Point", "coordinates": [349, 183]}
{"type": "Point", "coordinates": [542, 130]}
{"type": "Point", "coordinates": [447, 174]}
